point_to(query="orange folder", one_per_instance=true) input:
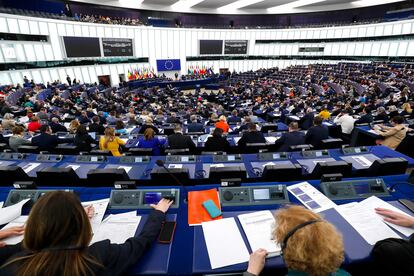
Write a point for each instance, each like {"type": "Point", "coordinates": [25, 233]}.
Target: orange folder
{"type": "Point", "coordinates": [196, 212]}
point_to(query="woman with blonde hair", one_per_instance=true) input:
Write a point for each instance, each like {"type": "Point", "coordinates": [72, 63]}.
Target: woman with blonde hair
{"type": "Point", "coordinates": [73, 126]}
{"type": "Point", "coordinates": [222, 124]}
{"type": "Point", "coordinates": [310, 245]}
{"type": "Point", "coordinates": [406, 110]}
{"type": "Point", "coordinates": [111, 142]}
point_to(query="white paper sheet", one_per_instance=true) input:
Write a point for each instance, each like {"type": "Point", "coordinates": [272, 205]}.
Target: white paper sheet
{"type": "Point", "coordinates": [100, 208]}
{"type": "Point", "coordinates": [374, 202]}
{"type": "Point", "coordinates": [117, 228]}
{"type": "Point", "coordinates": [217, 165]}
{"type": "Point", "coordinates": [175, 166]}
{"type": "Point", "coordinates": [268, 164]}
{"type": "Point", "coordinates": [258, 227]}
{"type": "Point", "coordinates": [363, 161]}
{"type": "Point", "coordinates": [366, 223]}
{"type": "Point", "coordinates": [74, 167]}
{"type": "Point", "coordinates": [29, 167]}
{"type": "Point", "coordinates": [20, 221]}
{"type": "Point", "coordinates": [311, 197]}
{"type": "Point", "coordinates": [126, 168]}
{"type": "Point", "coordinates": [1, 204]}
{"type": "Point", "coordinates": [10, 213]}
{"type": "Point", "coordinates": [236, 139]}
{"type": "Point", "coordinates": [271, 139]}
{"type": "Point", "coordinates": [224, 243]}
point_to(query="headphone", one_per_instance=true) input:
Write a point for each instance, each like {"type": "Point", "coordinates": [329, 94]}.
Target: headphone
{"type": "Point", "coordinates": [283, 245]}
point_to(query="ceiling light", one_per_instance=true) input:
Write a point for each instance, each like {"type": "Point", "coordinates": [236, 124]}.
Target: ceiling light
{"type": "Point", "coordinates": [292, 5]}
{"type": "Point", "coordinates": [184, 4]}
{"type": "Point", "coordinates": [237, 5]}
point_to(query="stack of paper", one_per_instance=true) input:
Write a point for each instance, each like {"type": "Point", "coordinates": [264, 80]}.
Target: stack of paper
{"type": "Point", "coordinates": [371, 226]}
{"type": "Point", "coordinates": [224, 243]}
{"type": "Point", "coordinates": [100, 208]}
{"type": "Point", "coordinates": [117, 228]}
{"type": "Point", "coordinates": [11, 213]}
{"type": "Point", "coordinates": [20, 221]}
{"type": "Point", "coordinates": [258, 227]}
{"type": "Point", "coordinates": [311, 197]}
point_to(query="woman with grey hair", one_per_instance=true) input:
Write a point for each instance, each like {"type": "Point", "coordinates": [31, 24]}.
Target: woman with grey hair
{"type": "Point", "coordinates": [8, 122]}
{"type": "Point", "coordinates": [382, 115]}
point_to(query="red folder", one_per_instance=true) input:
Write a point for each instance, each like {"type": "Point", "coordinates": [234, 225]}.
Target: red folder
{"type": "Point", "coordinates": [196, 212]}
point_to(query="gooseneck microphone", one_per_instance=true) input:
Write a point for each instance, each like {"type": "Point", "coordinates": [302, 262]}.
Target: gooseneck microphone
{"type": "Point", "coordinates": [161, 163]}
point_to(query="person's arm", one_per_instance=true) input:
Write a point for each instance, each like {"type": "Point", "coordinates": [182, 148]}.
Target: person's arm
{"type": "Point", "coordinates": [396, 218]}
{"type": "Point", "coordinates": [256, 263]}
{"type": "Point", "coordinates": [389, 132]}
{"type": "Point", "coordinates": [279, 142]}
{"type": "Point", "coordinates": [120, 257]}
{"type": "Point", "coordinates": [120, 142]}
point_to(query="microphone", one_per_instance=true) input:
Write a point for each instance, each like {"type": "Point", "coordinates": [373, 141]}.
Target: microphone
{"type": "Point", "coordinates": [160, 163]}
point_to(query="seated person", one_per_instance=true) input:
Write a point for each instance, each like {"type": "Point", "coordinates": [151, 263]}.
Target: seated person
{"type": "Point", "coordinates": [317, 133]}
{"type": "Point", "coordinates": [382, 115]}
{"type": "Point", "coordinates": [366, 118]}
{"type": "Point", "coordinates": [8, 123]}
{"type": "Point", "coordinates": [111, 142]}
{"type": "Point", "coordinates": [56, 126]}
{"type": "Point", "coordinates": [310, 245]}
{"type": "Point", "coordinates": [251, 136]}
{"type": "Point", "coordinates": [73, 126]}
{"type": "Point", "coordinates": [346, 121]}
{"type": "Point", "coordinates": [83, 118]}
{"type": "Point", "coordinates": [194, 126]}
{"type": "Point", "coordinates": [325, 113]}
{"type": "Point", "coordinates": [234, 118]}
{"type": "Point", "coordinates": [149, 141]}
{"type": "Point", "coordinates": [394, 256]}
{"type": "Point", "coordinates": [173, 119]}
{"type": "Point", "coordinates": [17, 139]}
{"type": "Point", "coordinates": [307, 120]}
{"type": "Point", "coordinates": [46, 141]}
{"type": "Point", "coordinates": [180, 141]}
{"type": "Point", "coordinates": [120, 128]}
{"type": "Point", "coordinates": [292, 138]}
{"type": "Point", "coordinates": [96, 126]}
{"type": "Point", "coordinates": [222, 123]}
{"type": "Point", "coordinates": [34, 125]}
{"type": "Point", "coordinates": [217, 142]}
{"type": "Point", "coordinates": [66, 232]}
{"type": "Point", "coordinates": [392, 135]}
{"type": "Point", "coordinates": [148, 124]}
{"type": "Point", "coordinates": [83, 141]}
{"type": "Point", "coordinates": [407, 110]}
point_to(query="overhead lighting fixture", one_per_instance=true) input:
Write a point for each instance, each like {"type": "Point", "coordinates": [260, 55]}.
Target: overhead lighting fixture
{"type": "Point", "coordinates": [292, 5]}
{"type": "Point", "coordinates": [184, 4]}
{"type": "Point", "coordinates": [237, 5]}
{"type": "Point", "coordinates": [129, 2]}
{"type": "Point", "coordinates": [365, 3]}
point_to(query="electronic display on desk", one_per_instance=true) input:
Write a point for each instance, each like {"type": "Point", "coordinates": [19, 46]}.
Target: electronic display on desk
{"type": "Point", "coordinates": [184, 159]}
{"type": "Point", "coordinates": [235, 47]}
{"type": "Point", "coordinates": [113, 47]}
{"type": "Point", "coordinates": [152, 198]}
{"type": "Point", "coordinates": [77, 47]}
{"type": "Point", "coordinates": [231, 157]}
{"type": "Point", "coordinates": [261, 194]}
{"type": "Point", "coordinates": [94, 159]}
{"type": "Point", "coordinates": [211, 47]}
{"type": "Point", "coordinates": [138, 159]}
{"type": "Point", "coordinates": [318, 154]}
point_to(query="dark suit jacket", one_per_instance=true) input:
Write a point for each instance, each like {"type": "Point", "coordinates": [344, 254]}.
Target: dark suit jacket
{"type": "Point", "coordinates": [290, 139]}
{"type": "Point", "coordinates": [116, 259]}
{"type": "Point", "coordinates": [84, 142]}
{"type": "Point", "coordinates": [46, 142]}
{"type": "Point", "coordinates": [217, 144]}
{"type": "Point", "coordinates": [315, 135]}
{"type": "Point", "coordinates": [365, 119]}
{"type": "Point", "coordinates": [100, 129]}
{"type": "Point", "coordinates": [251, 137]}
{"type": "Point", "coordinates": [307, 121]}
{"type": "Point", "coordinates": [195, 127]}
{"type": "Point", "coordinates": [234, 119]}
{"type": "Point", "coordinates": [180, 141]}
{"type": "Point", "coordinates": [57, 127]}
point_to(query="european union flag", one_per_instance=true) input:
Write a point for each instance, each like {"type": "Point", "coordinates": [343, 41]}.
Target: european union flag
{"type": "Point", "coordinates": [168, 65]}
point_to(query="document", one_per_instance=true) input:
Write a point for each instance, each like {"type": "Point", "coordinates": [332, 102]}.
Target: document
{"type": "Point", "coordinates": [366, 222]}
{"type": "Point", "coordinates": [221, 165]}
{"type": "Point", "coordinates": [224, 243]}
{"type": "Point", "coordinates": [175, 166]}
{"type": "Point", "coordinates": [311, 197]}
{"type": "Point", "coordinates": [8, 214]}
{"type": "Point", "coordinates": [117, 228]}
{"type": "Point", "coordinates": [374, 202]}
{"type": "Point", "coordinates": [30, 166]}
{"type": "Point", "coordinates": [268, 164]}
{"type": "Point", "coordinates": [1, 204]}
{"type": "Point", "coordinates": [126, 168]}
{"type": "Point", "coordinates": [100, 208]}
{"type": "Point", "coordinates": [74, 167]}
{"type": "Point", "coordinates": [363, 161]}
{"type": "Point", "coordinates": [236, 139]}
{"type": "Point", "coordinates": [271, 139]}
{"type": "Point", "coordinates": [20, 221]}
{"type": "Point", "coordinates": [258, 227]}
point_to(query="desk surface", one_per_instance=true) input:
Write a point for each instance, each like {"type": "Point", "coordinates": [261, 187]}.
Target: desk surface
{"type": "Point", "coordinates": [188, 254]}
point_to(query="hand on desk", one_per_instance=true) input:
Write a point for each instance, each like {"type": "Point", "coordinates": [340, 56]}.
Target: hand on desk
{"type": "Point", "coordinates": [257, 261]}
{"type": "Point", "coordinates": [12, 231]}
{"type": "Point", "coordinates": [90, 211]}
{"type": "Point", "coordinates": [162, 205]}
{"type": "Point", "coordinates": [396, 218]}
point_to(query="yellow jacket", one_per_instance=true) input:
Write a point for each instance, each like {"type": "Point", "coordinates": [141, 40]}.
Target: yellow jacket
{"type": "Point", "coordinates": [113, 146]}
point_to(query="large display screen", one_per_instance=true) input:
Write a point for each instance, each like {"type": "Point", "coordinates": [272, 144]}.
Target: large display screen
{"type": "Point", "coordinates": [82, 47]}
{"type": "Point", "coordinates": [235, 47]}
{"type": "Point", "coordinates": [114, 47]}
{"type": "Point", "coordinates": [211, 47]}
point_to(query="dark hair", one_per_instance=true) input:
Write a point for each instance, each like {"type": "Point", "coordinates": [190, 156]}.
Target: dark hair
{"type": "Point", "coordinates": [317, 121]}
{"type": "Point", "coordinates": [43, 128]}
{"type": "Point", "coordinates": [397, 119]}
{"type": "Point", "coordinates": [81, 130]}
{"type": "Point", "coordinates": [17, 130]}
{"type": "Point", "coordinates": [218, 132]}
{"type": "Point", "coordinates": [367, 109]}
{"type": "Point", "coordinates": [251, 126]}
{"type": "Point", "coordinates": [95, 119]}
{"type": "Point", "coordinates": [119, 124]}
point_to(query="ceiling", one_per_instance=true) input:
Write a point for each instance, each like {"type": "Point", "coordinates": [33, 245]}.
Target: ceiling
{"type": "Point", "coordinates": [241, 6]}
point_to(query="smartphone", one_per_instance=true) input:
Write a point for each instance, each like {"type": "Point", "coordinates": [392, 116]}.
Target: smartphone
{"type": "Point", "coordinates": [211, 208]}
{"type": "Point", "coordinates": [407, 203]}
{"type": "Point", "coordinates": [167, 232]}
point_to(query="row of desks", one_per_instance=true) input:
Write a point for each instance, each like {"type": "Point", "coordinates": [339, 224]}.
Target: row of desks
{"type": "Point", "coordinates": [187, 254]}
{"type": "Point", "coordinates": [199, 167]}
